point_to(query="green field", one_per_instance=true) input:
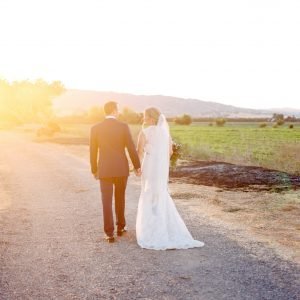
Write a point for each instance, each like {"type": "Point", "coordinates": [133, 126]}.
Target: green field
{"type": "Point", "coordinates": [243, 143]}
{"type": "Point", "coordinates": [240, 143]}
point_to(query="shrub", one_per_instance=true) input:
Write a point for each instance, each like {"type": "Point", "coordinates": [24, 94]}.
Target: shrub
{"type": "Point", "coordinates": [49, 130]}
{"type": "Point", "coordinates": [280, 122]}
{"type": "Point", "coordinates": [275, 125]}
{"type": "Point", "coordinates": [183, 120]}
{"type": "Point", "coordinates": [291, 126]}
{"type": "Point", "coordinates": [262, 125]}
{"type": "Point", "coordinates": [220, 122]}
{"type": "Point", "coordinates": [44, 131]}
{"type": "Point", "coordinates": [177, 153]}
{"type": "Point", "coordinates": [210, 124]}
{"type": "Point", "coordinates": [54, 127]}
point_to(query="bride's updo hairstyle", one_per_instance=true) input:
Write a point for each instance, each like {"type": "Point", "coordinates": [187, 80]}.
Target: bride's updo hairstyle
{"type": "Point", "coordinates": [153, 113]}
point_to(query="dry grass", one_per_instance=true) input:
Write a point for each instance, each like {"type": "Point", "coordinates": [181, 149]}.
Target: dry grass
{"type": "Point", "coordinates": [270, 218]}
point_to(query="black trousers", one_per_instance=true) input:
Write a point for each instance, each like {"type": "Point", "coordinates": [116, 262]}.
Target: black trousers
{"type": "Point", "coordinates": [107, 187]}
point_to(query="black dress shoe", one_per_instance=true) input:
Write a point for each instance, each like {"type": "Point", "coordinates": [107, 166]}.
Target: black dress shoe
{"type": "Point", "coordinates": [110, 239]}
{"type": "Point", "coordinates": [121, 232]}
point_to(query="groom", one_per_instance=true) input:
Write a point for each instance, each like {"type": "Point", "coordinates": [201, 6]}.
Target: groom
{"type": "Point", "coordinates": [109, 164]}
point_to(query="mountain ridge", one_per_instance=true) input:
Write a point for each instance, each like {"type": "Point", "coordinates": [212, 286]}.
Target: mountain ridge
{"type": "Point", "coordinates": [76, 101]}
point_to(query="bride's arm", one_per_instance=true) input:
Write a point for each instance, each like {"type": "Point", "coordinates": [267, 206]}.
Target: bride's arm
{"type": "Point", "coordinates": [170, 146]}
{"type": "Point", "coordinates": [141, 144]}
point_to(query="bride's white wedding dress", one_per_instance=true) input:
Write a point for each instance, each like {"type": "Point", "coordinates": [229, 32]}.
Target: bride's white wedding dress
{"type": "Point", "coordinates": [159, 225]}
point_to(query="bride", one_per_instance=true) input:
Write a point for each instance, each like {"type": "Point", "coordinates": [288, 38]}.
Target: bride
{"type": "Point", "coordinates": [158, 225]}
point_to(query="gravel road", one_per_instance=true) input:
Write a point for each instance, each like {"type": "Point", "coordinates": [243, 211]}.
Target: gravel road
{"type": "Point", "coordinates": [52, 247]}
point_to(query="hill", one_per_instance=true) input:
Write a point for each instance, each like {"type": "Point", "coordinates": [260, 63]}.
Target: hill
{"type": "Point", "coordinates": [74, 101]}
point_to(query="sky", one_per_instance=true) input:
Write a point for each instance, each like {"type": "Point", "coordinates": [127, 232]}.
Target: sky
{"type": "Point", "coordinates": [238, 52]}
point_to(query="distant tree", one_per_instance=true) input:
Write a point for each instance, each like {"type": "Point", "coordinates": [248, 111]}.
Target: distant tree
{"type": "Point", "coordinates": [220, 122]}
{"type": "Point", "coordinates": [56, 88]}
{"type": "Point", "coordinates": [95, 114]}
{"type": "Point", "coordinates": [130, 116]}
{"type": "Point", "coordinates": [183, 120]}
{"type": "Point", "coordinates": [26, 101]}
{"type": "Point", "coordinates": [279, 119]}
{"type": "Point", "coordinates": [290, 119]}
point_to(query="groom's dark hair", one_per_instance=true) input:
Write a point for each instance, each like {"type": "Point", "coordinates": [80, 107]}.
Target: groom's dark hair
{"type": "Point", "coordinates": [110, 106]}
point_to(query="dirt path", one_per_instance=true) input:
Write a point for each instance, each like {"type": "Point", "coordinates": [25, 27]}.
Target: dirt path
{"type": "Point", "coordinates": [51, 243]}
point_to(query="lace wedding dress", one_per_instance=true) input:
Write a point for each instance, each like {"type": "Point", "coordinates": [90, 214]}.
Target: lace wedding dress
{"type": "Point", "coordinates": [159, 225]}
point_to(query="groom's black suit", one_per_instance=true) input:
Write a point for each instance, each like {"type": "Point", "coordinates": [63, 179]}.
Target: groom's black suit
{"type": "Point", "coordinates": [108, 141]}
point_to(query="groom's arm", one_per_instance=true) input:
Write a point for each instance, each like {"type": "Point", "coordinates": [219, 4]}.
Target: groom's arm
{"type": "Point", "coordinates": [131, 149]}
{"type": "Point", "coordinates": [93, 151]}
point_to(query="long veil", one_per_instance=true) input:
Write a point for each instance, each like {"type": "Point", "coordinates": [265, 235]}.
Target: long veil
{"type": "Point", "coordinates": [162, 158]}
{"type": "Point", "coordinates": [163, 124]}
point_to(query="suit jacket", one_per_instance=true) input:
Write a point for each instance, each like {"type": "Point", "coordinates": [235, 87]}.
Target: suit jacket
{"type": "Point", "coordinates": [108, 141]}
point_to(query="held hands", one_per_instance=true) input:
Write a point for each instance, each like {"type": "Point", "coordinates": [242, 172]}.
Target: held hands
{"type": "Point", "coordinates": [138, 172]}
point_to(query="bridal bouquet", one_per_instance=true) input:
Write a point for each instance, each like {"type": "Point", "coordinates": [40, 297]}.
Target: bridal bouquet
{"type": "Point", "coordinates": [177, 153]}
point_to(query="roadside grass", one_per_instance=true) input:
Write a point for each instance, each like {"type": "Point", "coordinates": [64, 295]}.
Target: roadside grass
{"type": "Point", "coordinates": [238, 143]}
